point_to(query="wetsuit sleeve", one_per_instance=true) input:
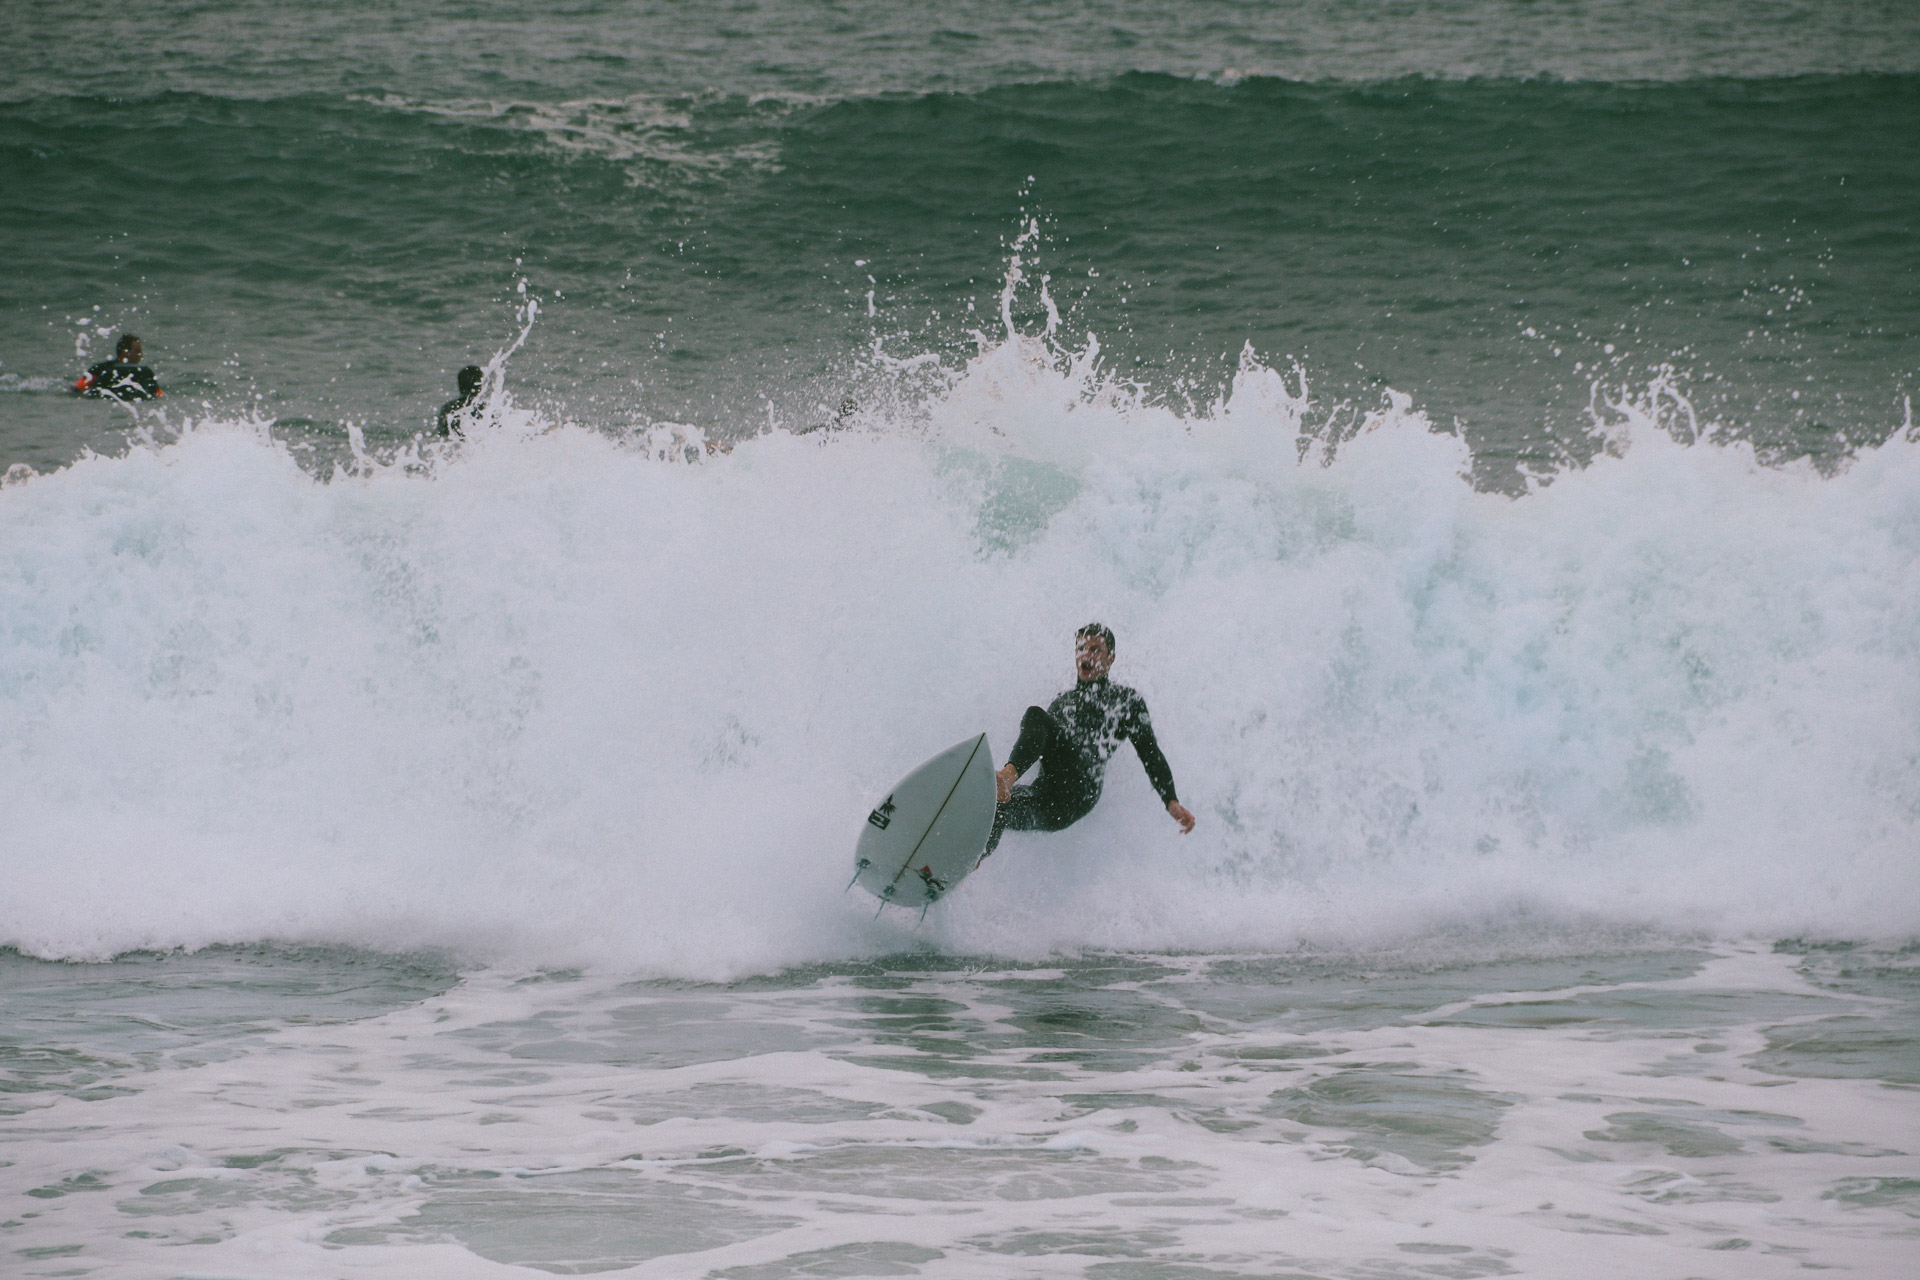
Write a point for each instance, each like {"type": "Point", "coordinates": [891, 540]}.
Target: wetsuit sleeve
{"type": "Point", "coordinates": [1037, 734]}
{"type": "Point", "coordinates": [1158, 771]}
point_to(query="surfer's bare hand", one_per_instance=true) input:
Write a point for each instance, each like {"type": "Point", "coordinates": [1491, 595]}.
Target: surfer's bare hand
{"type": "Point", "coordinates": [1003, 781]}
{"type": "Point", "coordinates": [1180, 815]}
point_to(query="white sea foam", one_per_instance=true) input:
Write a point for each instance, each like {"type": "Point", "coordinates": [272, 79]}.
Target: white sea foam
{"type": "Point", "coordinates": [566, 699]}
{"type": "Point", "coordinates": [1676, 1114]}
{"type": "Point", "coordinates": [638, 127]}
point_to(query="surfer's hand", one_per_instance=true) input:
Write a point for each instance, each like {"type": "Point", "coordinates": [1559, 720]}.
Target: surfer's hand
{"type": "Point", "coordinates": [1180, 815]}
{"type": "Point", "coordinates": [1003, 780]}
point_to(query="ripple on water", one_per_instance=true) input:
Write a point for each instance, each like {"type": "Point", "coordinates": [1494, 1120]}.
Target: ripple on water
{"type": "Point", "coordinates": [1875, 1039]}
{"type": "Point", "coordinates": [573, 1223]}
{"type": "Point", "coordinates": [91, 1031]}
{"type": "Point", "coordinates": [1397, 1109]}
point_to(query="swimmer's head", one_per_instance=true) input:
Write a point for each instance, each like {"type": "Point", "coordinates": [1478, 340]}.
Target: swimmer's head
{"type": "Point", "coordinates": [470, 379]}
{"type": "Point", "coordinates": [127, 350]}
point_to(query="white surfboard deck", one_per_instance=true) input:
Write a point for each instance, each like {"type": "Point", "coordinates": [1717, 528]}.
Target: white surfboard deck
{"type": "Point", "coordinates": [931, 829]}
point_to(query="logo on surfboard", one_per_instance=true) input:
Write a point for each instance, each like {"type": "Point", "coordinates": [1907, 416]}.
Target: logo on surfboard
{"type": "Point", "coordinates": [883, 815]}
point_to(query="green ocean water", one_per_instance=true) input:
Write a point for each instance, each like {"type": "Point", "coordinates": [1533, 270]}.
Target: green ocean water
{"type": "Point", "coordinates": [1498, 210]}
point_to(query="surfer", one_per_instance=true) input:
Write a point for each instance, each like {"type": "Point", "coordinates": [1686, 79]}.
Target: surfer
{"type": "Point", "coordinates": [472, 378]}
{"type": "Point", "coordinates": [1072, 740]}
{"type": "Point", "coordinates": [841, 416]}
{"type": "Point", "coordinates": [123, 377]}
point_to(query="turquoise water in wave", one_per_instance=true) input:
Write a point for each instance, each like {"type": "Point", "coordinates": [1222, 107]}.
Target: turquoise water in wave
{"type": "Point", "coordinates": [1486, 425]}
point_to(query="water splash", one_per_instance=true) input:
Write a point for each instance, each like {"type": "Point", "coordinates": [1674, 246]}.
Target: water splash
{"type": "Point", "coordinates": [582, 699]}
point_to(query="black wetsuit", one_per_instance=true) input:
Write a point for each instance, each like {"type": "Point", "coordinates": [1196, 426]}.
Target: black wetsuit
{"type": "Point", "coordinates": [120, 381]}
{"type": "Point", "coordinates": [454, 412]}
{"type": "Point", "coordinates": [1072, 740]}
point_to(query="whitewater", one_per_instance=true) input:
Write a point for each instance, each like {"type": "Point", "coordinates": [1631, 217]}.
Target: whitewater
{"type": "Point", "coordinates": [566, 698]}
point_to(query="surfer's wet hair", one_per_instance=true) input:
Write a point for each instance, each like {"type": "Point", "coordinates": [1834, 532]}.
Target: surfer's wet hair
{"type": "Point", "coordinates": [128, 344]}
{"type": "Point", "coordinates": [1095, 631]}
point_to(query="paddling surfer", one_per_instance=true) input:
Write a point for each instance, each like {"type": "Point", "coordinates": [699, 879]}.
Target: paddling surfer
{"type": "Point", "coordinates": [122, 378]}
{"type": "Point", "coordinates": [1072, 740]}
{"type": "Point", "coordinates": [457, 412]}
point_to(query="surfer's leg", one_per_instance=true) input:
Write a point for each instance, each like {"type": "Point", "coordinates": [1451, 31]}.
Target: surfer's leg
{"type": "Point", "coordinates": [1038, 742]}
{"type": "Point", "coordinates": [1060, 799]}
{"type": "Point", "coordinates": [1065, 791]}
{"type": "Point", "coordinates": [1063, 769]}
{"type": "Point", "coordinates": [1017, 814]}
{"type": "Point", "coordinates": [993, 836]}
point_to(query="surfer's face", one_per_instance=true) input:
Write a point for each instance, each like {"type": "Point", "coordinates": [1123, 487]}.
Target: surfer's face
{"type": "Point", "coordinates": [1091, 657]}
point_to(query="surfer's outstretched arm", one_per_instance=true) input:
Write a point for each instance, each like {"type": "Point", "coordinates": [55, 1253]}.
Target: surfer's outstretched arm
{"type": "Point", "coordinates": [1159, 772]}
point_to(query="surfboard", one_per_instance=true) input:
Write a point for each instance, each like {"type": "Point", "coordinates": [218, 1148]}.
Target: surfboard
{"type": "Point", "coordinates": [930, 830]}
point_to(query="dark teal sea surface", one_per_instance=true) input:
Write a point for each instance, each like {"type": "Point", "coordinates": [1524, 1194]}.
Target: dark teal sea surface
{"type": "Point", "coordinates": [317, 216]}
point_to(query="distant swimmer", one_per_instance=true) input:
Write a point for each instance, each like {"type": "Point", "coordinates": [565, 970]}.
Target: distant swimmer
{"type": "Point", "coordinates": [1072, 740]}
{"type": "Point", "coordinates": [123, 377]}
{"type": "Point", "coordinates": [841, 417]}
{"type": "Point", "coordinates": [471, 379]}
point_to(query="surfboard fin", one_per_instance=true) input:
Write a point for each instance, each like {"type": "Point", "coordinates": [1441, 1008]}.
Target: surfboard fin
{"type": "Point", "coordinates": [858, 867]}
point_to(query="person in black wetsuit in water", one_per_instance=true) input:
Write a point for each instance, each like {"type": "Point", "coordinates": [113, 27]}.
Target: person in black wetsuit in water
{"type": "Point", "coordinates": [1072, 740]}
{"type": "Point", "coordinates": [455, 412]}
{"type": "Point", "coordinates": [123, 377]}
